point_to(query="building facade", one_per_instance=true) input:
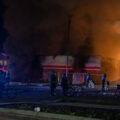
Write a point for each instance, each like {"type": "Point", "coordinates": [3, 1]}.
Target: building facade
{"type": "Point", "coordinates": [63, 64]}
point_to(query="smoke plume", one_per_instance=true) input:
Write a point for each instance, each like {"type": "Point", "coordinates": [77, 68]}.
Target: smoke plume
{"type": "Point", "coordinates": [39, 27]}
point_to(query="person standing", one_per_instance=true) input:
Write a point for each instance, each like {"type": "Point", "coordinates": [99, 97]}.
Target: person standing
{"type": "Point", "coordinates": [7, 77]}
{"type": "Point", "coordinates": [103, 81]}
{"type": "Point", "coordinates": [53, 83]}
{"type": "Point", "coordinates": [107, 86]}
{"type": "Point", "coordinates": [87, 80]}
{"type": "Point", "coordinates": [2, 81]}
{"type": "Point", "coordinates": [64, 84]}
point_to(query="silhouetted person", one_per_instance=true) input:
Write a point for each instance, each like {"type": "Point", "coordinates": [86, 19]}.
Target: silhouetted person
{"type": "Point", "coordinates": [107, 85]}
{"type": "Point", "coordinates": [87, 79]}
{"type": "Point", "coordinates": [7, 77]}
{"type": "Point", "coordinates": [2, 81]}
{"type": "Point", "coordinates": [64, 84]}
{"type": "Point", "coordinates": [53, 83]}
{"type": "Point", "coordinates": [103, 81]}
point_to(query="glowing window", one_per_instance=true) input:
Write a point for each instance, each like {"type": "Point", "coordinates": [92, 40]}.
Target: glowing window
{"type": "Point", "coordinates": [5, 62]}
{"type": "Point", "coordinates": [1, 62]}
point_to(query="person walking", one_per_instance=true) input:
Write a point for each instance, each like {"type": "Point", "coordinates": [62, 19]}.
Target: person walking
{"type": "Point", "coordinates": [53, 83]}
{"type": "Point", "coordinates": [103, 81]}
{"type": "Point", "coordinates": [64, 84]}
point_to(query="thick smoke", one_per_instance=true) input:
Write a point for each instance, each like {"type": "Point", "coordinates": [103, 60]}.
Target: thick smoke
{"type": "Point", "coordinates": [86, 49]}
{"type": "Point", "coordinates": [84, 52]}
{"type": "Point", "coordinates": [39, 27]}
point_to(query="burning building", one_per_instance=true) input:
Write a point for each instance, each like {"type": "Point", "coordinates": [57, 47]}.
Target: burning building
{"type": "Point", "coordinates": [58, 64]}
{"type": "Point", "coordinates": [94, 30]}
{"type": "Point", "coordinates": [95, 66]}
{"type": "Point", "coordinates": [62, 64]}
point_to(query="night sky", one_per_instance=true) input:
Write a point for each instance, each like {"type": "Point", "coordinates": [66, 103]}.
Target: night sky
{"type": "Point", "coordinates": [39, 27]}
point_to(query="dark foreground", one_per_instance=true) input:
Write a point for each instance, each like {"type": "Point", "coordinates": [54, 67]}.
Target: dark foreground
{"type": "Point", "coordinates": [91, 103]}
{"type": "Point", "coordinates": [6, 114]}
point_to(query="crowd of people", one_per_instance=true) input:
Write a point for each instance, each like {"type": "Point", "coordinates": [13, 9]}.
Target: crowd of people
{"type": "Point", "coordinates": [64, 83]}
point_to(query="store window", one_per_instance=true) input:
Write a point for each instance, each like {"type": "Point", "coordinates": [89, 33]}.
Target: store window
{"type": "Point", "coordinates": [1, 62]}
{"type": "Point", "coordinates": [5, 63]}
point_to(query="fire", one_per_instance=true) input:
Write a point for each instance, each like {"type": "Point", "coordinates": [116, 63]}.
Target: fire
{"type": "Point", "coordinates": [116, 27]}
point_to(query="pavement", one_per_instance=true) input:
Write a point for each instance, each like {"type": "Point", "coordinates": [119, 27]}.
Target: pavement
{"type": "Point", "coordinates": [41, 95]}
{"type": "Point", "coordinates": [30, 94]}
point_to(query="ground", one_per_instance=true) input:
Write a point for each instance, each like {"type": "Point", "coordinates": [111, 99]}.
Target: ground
{"type": "Point", "coordinates": [32, 94]}
{"type": "Point", "coordinates": [86, 104]}
{"type": "Point", "coordinates": [7, 114]}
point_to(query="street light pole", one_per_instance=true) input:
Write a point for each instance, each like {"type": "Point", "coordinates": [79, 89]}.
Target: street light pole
{"type": "Point", "coordinates": [68, 40]}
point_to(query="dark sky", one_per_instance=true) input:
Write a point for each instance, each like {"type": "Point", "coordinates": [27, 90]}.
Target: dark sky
{"type": "Point", "coordinates": [41, 25]}
{"type": "Point", "coordinates": [37, 24]}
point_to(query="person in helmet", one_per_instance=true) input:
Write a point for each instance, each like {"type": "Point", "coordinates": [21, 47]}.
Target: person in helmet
{"type": "Point", "coordinates": [103, 81]}
{"type": "Point", "coordinates": [87, 79]}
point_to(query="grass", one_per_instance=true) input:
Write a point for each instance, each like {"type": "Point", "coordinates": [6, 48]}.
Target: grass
{"type": "Point", "coordinates": [98, 101]}
{"type": "Point", "coordinates": [12, 114]}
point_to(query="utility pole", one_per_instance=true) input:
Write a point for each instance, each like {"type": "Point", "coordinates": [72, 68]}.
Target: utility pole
{"type": "Point", "coordinates": [68, 40]}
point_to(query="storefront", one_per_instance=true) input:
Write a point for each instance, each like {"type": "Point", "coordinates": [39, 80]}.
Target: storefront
{"type": "Point", "coordinates": [58, 65]}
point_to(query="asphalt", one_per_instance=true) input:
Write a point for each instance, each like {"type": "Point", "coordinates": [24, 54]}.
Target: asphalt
{"type": "Point", "coordinates": [29, 94]}
{"type": "Point", "coordinates": [41, 95]}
